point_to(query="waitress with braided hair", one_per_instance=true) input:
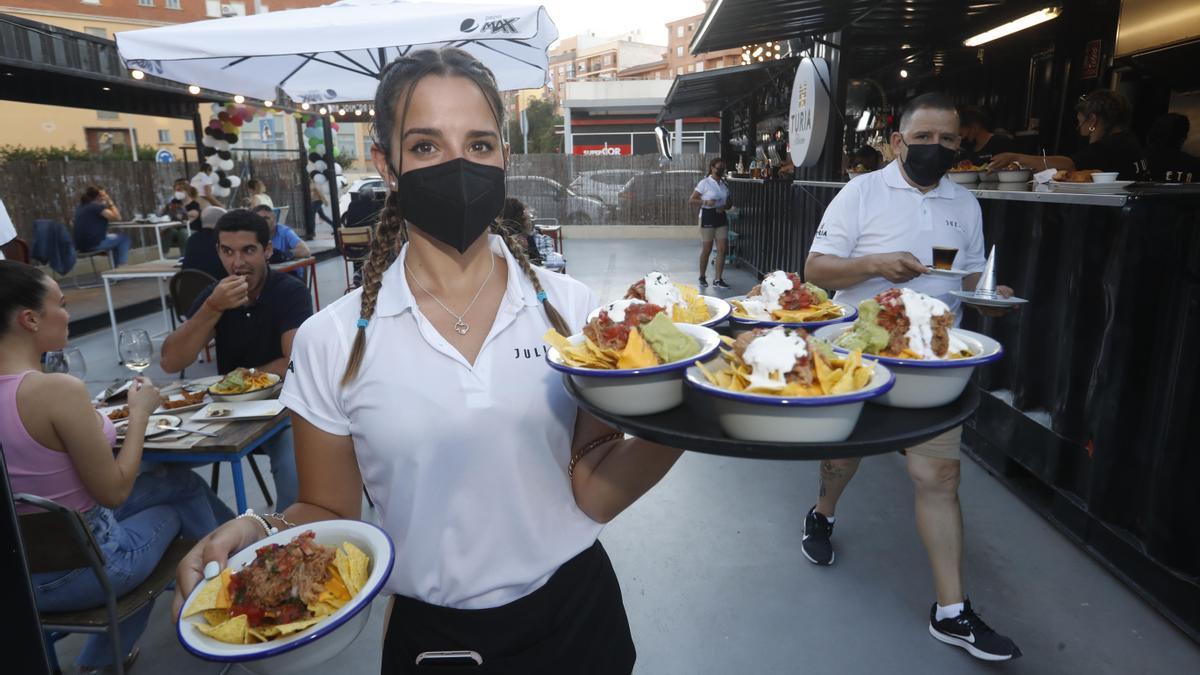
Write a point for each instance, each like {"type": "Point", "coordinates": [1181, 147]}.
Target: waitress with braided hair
{"type": "Point", "coordinates": [429, 386]}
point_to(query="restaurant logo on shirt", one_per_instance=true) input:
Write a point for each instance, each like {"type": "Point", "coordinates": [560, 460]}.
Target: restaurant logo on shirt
{"type": "Point", "coordinates": [535, 353]}
{"type": "Point", "coordinates": [953, 224]}
{"type": "Point", "coordinates": [291, 366]}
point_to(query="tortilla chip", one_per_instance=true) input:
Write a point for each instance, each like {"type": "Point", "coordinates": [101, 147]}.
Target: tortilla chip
{"type": "Point", "coordinates": [359, 569]}
{"type": "Point", "coordinates": [637, 353]}
{"type": "Point", "coordinates": [216, 617]}
{"type": "Point", "coordinates": [827, 376]}
{"type": "Point", "coordinates": [320, 609]}
{"type": "Point", "coordinates": [335, 588]}
{"type": "Point", "coordinates": [556, 340]}
{"type": "Point", "coordinates": [213, 595]}
{"type": "Point", "coordinates": [297, 626]}
{"type": "Point", "coordinates": [232, 631]}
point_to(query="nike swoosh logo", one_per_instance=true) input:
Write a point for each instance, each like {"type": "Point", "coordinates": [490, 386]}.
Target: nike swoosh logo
{"type": "Point", "coordinates": [969, 637]}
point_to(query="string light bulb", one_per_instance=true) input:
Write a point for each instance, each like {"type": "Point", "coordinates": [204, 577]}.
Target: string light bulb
{"type": "Point", "coordinates": [193, 89]}
{"type": "Point", "coordinates": [137, 74]}
{"type": "Point", "coordinates": [304, 106]}
{"type": "Point", "coordinates": [239, 99]}
{"type": "Point", "coordinates": [268, 103]}
{"type": "Point", "coordinates": [324, 111]}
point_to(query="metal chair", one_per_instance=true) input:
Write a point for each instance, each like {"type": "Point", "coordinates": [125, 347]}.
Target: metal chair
{"type": "Point", "coordinates": [355, 246]}
{"type": "Point", "coordinates": [185, 287]}
{"type": "Point", "coordinates": [91, 257]}
{"type": "Point", "coordinates": [57, 539]}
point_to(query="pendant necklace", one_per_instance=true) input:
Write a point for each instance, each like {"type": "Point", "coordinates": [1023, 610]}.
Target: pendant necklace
{"type": "Point", "coordinates": [460, 326]}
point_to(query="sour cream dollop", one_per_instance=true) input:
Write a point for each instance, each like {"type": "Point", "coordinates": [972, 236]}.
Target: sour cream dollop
{"type": "Point", "coordinates": [771, 356]}
{"type": "Point", "coordinates": [661, 291]}
{"type": "Point", "coordinates": [756, 308]}
{"type": "Point", "coordinates": [921, 309]}
{"type": "Point", "coordinates": [616, 310]}
{"type": "Point", "coordinates": [774, 285]}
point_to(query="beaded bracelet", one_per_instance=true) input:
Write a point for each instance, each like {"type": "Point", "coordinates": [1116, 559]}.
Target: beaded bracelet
{"type": "Point", "coordinates": [588, 448]}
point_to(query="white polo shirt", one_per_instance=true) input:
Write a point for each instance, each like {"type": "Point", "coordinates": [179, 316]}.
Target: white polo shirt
{"type": "Point", "coordinates": [467, 464]}
{"type": "Point", "coordinates": [879, 212]}
{"type": "Point", "coordinates": [201, 179]}
{"type": "Point", "coordinates": [711, 188]}
{"type": "Point", "coordinates": [8, 231]}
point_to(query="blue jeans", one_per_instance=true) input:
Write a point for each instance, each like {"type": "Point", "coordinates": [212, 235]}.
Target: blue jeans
{"type": "Point", "coordinates": [117, 243]}
{"type": "Point", "coordinates": [164, 503]}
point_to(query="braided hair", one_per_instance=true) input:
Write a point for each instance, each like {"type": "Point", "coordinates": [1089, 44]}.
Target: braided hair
{"type": "Point", "coordinates": [392, 100]}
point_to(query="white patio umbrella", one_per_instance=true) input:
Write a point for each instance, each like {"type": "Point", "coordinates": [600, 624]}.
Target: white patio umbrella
{"type": "Point", "coordinates": [334, 53]}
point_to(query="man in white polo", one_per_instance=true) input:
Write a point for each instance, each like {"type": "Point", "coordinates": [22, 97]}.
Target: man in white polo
{"type": "Point", "coordinates": [878, 233]}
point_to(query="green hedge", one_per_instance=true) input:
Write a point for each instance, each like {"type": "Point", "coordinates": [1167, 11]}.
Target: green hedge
{"type": "Point", "coordinates": [20, 153]}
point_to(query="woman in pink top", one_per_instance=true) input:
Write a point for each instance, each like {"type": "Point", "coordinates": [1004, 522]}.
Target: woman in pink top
{"type": "Point", "coordinates": [58, 447]}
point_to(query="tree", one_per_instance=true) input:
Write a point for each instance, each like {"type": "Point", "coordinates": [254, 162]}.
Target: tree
{"type": "Point", "coordinates": [542, 121]}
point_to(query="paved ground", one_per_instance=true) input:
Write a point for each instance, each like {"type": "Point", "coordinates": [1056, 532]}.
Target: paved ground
{"type": "Point", "coordinates": [714, 581]}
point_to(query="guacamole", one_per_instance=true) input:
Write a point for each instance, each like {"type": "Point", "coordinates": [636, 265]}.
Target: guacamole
{"type": "Point", "coordinates": [866, 335]}
{"type": "Point", "coordinates": [667, 341]}
{"type": "Point", "coordinates": [819, 295]}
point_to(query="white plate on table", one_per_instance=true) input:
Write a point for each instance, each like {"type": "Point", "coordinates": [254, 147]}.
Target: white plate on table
{"type": "Point", "coordinates": [154, 425]}
{"type": "Point", "coordinates": [970, 298]}
{"type": "Point", "coordinates": [1114, 186]}
{"type": "Point", "coordinates": [948, 274]}
{"type": "Point", "coordinates": [178, 397]}
{"type": "Point", "coordinates": [238, 411]}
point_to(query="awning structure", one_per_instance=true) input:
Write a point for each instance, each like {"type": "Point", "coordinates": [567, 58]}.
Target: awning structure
{"type": "Point", "coordinates": [882, 32]}
{"type": "Point", "coordinates": [45, 64]}
{"type": "Point", "coordinates": [712, 91]}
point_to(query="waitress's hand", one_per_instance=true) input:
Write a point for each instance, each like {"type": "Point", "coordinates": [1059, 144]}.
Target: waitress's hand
{"type": "Point", "coordinates": [897, 267]}
{"type": "Point", "coordinates": [221, 543]}
{"type": "Point", "coordinates": [1002, 291]}
{"type": "Point", "coordinates": [1003, 159]}
{"type": "Point", "coordinates": [143, 398]}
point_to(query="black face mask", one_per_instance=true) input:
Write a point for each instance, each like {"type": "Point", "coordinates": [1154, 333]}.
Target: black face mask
{"type": "Point", "coordinates": [454, 202]}
{"type": "Point", "coordinates": [928, 162]}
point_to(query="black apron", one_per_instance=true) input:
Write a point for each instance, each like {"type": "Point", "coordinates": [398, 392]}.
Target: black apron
{"type": "Point", "coordinates": [713, 218]}
{"type": "Point", "coordinates": [575, 623]}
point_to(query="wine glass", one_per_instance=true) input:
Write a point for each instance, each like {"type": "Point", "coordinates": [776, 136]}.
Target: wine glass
{"type": "Point", "coordinates": [136, 349]}
{"type": "Point", "coordinates": [68, 360]}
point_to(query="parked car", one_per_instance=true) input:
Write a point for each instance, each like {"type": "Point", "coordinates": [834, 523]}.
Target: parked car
{"type": "Point", "coordinates": [659, 198]}
{"type": "Point", "coordinates": [550, 199]}
{"type": "Point", "coordinates": [603, 184]}
{"type": "Point", "coordinates": [366, 182]}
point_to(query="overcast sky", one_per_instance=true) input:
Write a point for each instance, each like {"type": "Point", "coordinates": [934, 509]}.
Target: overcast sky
{"type": "Point", "coordinates": [610, 17]}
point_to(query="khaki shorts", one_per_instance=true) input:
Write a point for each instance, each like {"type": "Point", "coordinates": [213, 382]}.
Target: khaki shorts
{"type": "Point", "coordinates": [710, 233]}
{"type": "Point", "coordinates": [945, 446]}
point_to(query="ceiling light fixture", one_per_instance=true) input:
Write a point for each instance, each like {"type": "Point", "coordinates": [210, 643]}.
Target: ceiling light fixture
{"type": "Point", "coordinates": [1028, 21]}
{"type": "Point", "coordinates": [106, 88]}
{"type": "Point", "coordinates": [903, 73]}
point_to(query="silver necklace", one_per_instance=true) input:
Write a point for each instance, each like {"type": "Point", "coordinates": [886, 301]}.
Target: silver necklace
{"type": "Point", "coordinates": [461, 327]}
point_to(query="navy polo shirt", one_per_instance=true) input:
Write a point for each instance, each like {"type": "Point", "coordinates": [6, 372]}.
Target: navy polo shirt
{"type": "Point", "coordinates": [249, 337]}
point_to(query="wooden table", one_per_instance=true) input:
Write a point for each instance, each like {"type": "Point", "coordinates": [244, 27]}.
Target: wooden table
{"type": "Point", "coordinates": [235, 441]}
{"type": "Point", "coordinates": [145, 225]}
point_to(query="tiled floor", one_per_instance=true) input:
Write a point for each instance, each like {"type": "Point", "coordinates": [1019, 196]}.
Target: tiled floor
{"type": "Point", "coordinates": [715, 584]}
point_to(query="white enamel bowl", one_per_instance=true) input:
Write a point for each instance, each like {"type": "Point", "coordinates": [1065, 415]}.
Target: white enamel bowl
{"type": "Point", "coordinates": [963, 177]}
{"type": "Point", "coordinates": [637, 391]}
{"type": "Point", "coordinates": [927, 383]}
{"type": "Point", "coordinates": [1013, 175]}
{"type": "Point", "coordinates": [718, 311]}
{"type": "Point", "coordinates": [256, 395]}
{"type": "Point", "coordinates": [317, 644]}
{"type": "Point", "coordinates": [802, 419]}
{"type": "Point", "coordinates": [740, 325]}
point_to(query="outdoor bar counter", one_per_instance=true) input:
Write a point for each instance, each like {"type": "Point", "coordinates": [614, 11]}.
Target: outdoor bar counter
{"type": "Point", "coordinates": [1093, 415]}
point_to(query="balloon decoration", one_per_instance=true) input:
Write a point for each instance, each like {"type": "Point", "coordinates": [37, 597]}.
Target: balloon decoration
{"type": "Point", "coordinates": [220, 136]}
{"type": "Point", "coordinates": [314, 135]}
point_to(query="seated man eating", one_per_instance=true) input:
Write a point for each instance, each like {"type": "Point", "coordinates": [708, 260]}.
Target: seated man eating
{"type": "Point", "coordinates": [253, 314]}
{"type": "Point", "coordinates": [285, 243]}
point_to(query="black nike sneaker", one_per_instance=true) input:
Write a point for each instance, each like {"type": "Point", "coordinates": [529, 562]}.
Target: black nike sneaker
{"type": "Point", "coordinates": [703, 282]}
{"type": "Point", "coordinates": [969, 631]}
{"type": "Point", "coordinates": [815, 545]}
{"type": "Point", "coordinates": [720, 283]}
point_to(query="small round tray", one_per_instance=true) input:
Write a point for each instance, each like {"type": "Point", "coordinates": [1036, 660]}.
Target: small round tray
{"type": "Point", "coordinates": [693, 426]}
